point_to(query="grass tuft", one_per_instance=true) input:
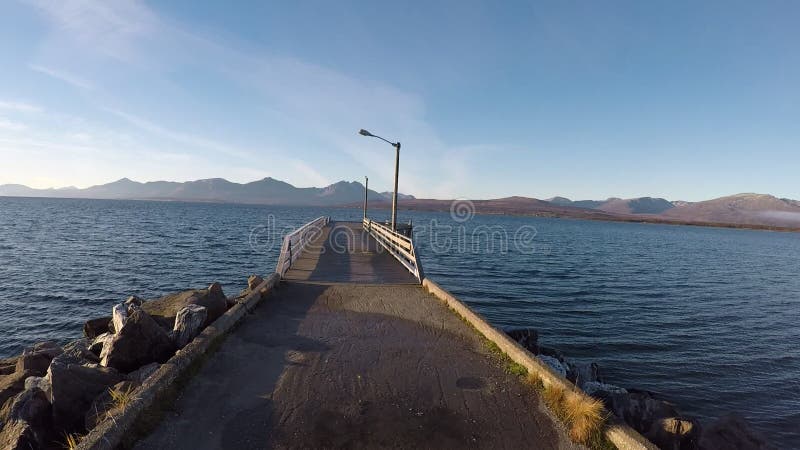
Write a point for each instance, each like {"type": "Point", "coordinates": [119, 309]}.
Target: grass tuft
{"type": "Point", "coordinates": [122, 398]}
{"type": "Point", "coordinates": [584, 414]}
{"type": "Point", "coordinates": [553, 397]}
{"type": "Point", "coordinates": [71, 441]}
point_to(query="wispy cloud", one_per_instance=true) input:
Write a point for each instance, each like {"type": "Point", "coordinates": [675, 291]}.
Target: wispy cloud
{"type": "Point", "coordinates": [179, 137]}
{"type": "Point", "coordinates": [314, 102]}
{"type": "Point", "coordinates": [19, 106]}
{"type": "Point", "coordinates": [62, 76]}
{"type": "Point", "coordinates": [111, 27]}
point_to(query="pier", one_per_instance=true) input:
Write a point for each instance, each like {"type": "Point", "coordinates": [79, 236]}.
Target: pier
{"type": "Point", "coordinates": [351, 351]}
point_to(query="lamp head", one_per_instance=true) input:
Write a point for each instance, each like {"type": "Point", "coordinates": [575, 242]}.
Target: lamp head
{"type": "Point", "coordinates": [364, 132]}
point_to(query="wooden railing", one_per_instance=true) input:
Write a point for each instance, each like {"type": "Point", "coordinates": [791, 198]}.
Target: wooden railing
{"type": "Point", "coordinates": [400, 246]}
{"type": "Point", "coordinates": [294, 243]}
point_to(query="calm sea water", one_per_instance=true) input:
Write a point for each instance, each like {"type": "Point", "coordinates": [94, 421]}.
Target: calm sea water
{"type": "Point", "coordinates": [710, 318]}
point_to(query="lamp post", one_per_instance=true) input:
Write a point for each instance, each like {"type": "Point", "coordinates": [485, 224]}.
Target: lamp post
{"type": "Point", "coordinates": [396, 146]}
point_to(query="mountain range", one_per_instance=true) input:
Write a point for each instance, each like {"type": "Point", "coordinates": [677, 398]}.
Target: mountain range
{"type": "Point", "coordinates": [267, 191]}
{"type": "Point", "coordinates": [740, 210]}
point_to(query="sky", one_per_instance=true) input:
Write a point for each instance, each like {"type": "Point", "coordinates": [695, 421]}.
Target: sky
{"type": "Point", "coordinates": [684, 100]}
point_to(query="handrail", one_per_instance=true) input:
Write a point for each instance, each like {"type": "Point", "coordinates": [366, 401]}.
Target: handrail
{"type": "Point", "coordinates": [400, 246]}
{"type": "Point", "coordinates": [295, 242]}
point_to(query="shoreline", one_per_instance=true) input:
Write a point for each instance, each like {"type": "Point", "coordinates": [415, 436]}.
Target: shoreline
{"type": "Point", "coordinates": [607, 217]}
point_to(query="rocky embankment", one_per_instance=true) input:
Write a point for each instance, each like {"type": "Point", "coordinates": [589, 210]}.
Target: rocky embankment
{"type": "Point", "coordinates": [654, 417]}
{"type": "Point", "coordinates": [50, 393]}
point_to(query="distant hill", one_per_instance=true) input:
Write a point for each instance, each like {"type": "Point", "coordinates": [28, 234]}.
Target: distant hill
{"type": "Point", "coordinates": [745, 209]}
{"type": "Point", "coordinates": [641, 205]}
{"type": "Point", "coordinates": [267, 191]}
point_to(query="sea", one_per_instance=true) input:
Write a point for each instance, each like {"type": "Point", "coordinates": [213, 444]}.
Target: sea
{"type": "Point", "coordinates": [708, 318]}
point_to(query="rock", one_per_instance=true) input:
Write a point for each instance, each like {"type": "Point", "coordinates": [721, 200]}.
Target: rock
{"type": "Point", "coordinates": [164, 309]}
{"type": "Point", "coordinates": [11, 385]}
{"type": "Point", "coordinates": [140, 375]}
{"type": "Point", "coordinates": [188, 324]}
{"type": "Point", "coordinates": [18, 435]}
{"type": "Point", "coordinates": [74, 388]}
{"type": "Point", "coordinates": [79, 349]}
{"type": "Point", "coordinates": [119, 315]}
{"type": "Point", "coordinates": [32, 406]}
{"type": "Point", "coordinates": [583, 373]}
{"type": "Point", "coordinates": [674, 433]}
{"type": "Point", "coordinates": [598, 389]}
{"type": "Point", "coordinates": [47, 347]}
{"type": "Point", "coordinates": [26, 421]}
{"type": "Point", "coordinates": [41, 383]}
{"type": "Point", "coordinates": [141, 341]}
{"type": "Point", "coordinates": [95, 327]}
{"type": "Point", "coordinates": [35, 363]}
{"type": "Point", "coordinates": [527, 337]}
{"type": "Point", "coordinates": [637, 408]}
{"type": "Point", "coordinates": [554, 363]}
{"type": "Point", "coordinates": [553, 353]}
{"type": "Point", "coordinates": [8, 365]}
{"type": "Point", "coordinates": [731, 432]}
{"type": "Point", "coordinates": [104, 403]}
{"type": "Point", "coordinates": [100, 342]}
{"type": "Point", "coordinates": [254, 281]}
{"type": "Point", "coordinates": [132, 302]}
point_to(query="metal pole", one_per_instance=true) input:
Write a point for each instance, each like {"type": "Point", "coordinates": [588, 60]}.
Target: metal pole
{"type": "Point", "coordinates": [394, 197]}
{"type": "Point", "coordinates": [366, 193]}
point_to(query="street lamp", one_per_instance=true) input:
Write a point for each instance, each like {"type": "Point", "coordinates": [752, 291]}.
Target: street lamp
{"type": "Point", "coordinates": [396, 146]}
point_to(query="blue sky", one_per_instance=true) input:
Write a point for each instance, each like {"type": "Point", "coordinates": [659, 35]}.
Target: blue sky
{"type": "Point", "coordinates": [685, 100]}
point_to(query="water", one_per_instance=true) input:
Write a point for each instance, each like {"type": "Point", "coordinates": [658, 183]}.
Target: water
{"type": "Point", "coordinates": [707, 317]}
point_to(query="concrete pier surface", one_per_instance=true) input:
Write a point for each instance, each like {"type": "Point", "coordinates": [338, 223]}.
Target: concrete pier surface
{"type": "Point", "coordinates": [354, 357]}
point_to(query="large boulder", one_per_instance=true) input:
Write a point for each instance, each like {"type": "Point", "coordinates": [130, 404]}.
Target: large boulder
{"type": "Point", "coordinates": [8, 365]}
{"type": "Point", "coordinates": [165, 309]}
{"type": "Point", "coordinates": [36, 359]}
{"type": "Point", "coordinates": [119, 315]}
{"type": "Point", "coordinates": [731, 432]}
{"type": "Point", "coordinates": [95, 327]}
{"type": "Point", "coordinates": [35, 363]}
{"type": "Point", "coordinates": [74, 388]}
{"type": "Point", "coordinates": [79, 349]}
{"type": "Point", "coordinates": [555, 364]}
{"type": "Point", "coordinates": [638, 408]}
{"type": "Point", "coordinates": [11, 385]}
{"type": "Point", "coordinates": [601, 390]}
{"type": "Point", "coordinates": [140, 375]}
{"type": "Point", "coordinates": [675, 433]}
{"type": "Point", "coordinates": [527, 337]}
{"type": "Point", "coordinates": [31, 406]}
{"type": "Point", "coordinates": [26, 421]}
{"type": "Point", "coordinates": [42, 383]}
{"type": "Point", "coordinates": [99, 343]}
{"type": "Point", "coordinates": [583, 373]}
{"type": "Point", "coordinates": [140, 341]}
{"type": "Point", "coordinates": [188, 324]}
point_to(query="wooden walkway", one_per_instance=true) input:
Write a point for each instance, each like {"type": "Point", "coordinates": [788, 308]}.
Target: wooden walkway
{"type": "Point", "coordinates": [350, 352]}
{"type": "Point", "coordinates": [345, 253]}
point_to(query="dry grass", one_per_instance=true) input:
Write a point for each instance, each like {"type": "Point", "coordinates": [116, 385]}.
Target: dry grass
{"type": "Point", "coordinates": [71, 441]}
{"type": "Point", "coordinates": [122, 398]}
{"type": "Point", "coordinates": [584, 414]}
